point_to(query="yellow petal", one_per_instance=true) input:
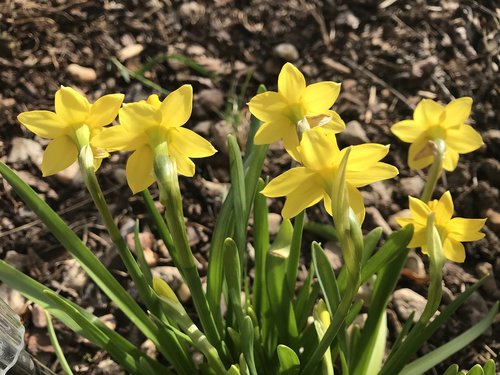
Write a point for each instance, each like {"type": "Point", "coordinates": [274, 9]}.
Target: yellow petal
{"type": "Point", "coordinates": [463, 139]}
{"type": "Point", "coordinates": [377, 172]}
{"type": "Point", "coordinates": [457, 112]}
{"type": "Point", "coordinates": [420, 153]}
{"type": "Point", "coordinates": [71, 106]}
{"type": "Point", "coordinates": [318, 149]}
{"type": "Point", "coordinates": [105, 110]}
{"type": "Point", "coordinates": [444, 209]}
{"type": "Point", "coordinates": [419, 238]}
{"type": "Point", "coordinates": [287, 182]}
{"type": "Point", "coordinates": [184, 165]}
{"type": "Point", "coordinates": [188, 143]}
{"type": "Point", "coordinates": [138, 117]}
{"type": "Point", "coordinates": [139, 169]}
{"type": "Point", "coordinates": [268, 106]}
{"type": "Point", "coordinates": [291, 83]}
{"type": "Point", "coordinates": [419, 210]}
{"type": "Point", "coordinates": [356, 202]}
{"type": "Point", "coordinates": [407, 130]}
{"type": "Point", "coordinates": [428, 113]}
{"type": "Point", "coordinates": [327, 202]}
{"type": "Point", "coordinates": [363, 156]}
{"type": "Point", "coordinates": [97, 163]}
{"type": "Point", "coordinates": [304, 195]}
{"type": "Point", "coordinates": [319, 97]}
{"type": "Point", "coordinates": [59, 154]}
{"type": "Point", "coordinates": [46, 124]}
{"type": "Point", "coordinates": [291, 143]}
{"type": "Point", "coordinates": [336, 123]}
{"type": "Point", "coordinates": [177, 106]}
{"type": "Point", "coordinates": [464, 230]}
{"type": "Point", "coordinates": [404, 221]}
{"type": "Point", "coordinates": [450, 160]}
{"type": "Point", "coordinates": [454, 250]}
{"type": "Point", "coordinates": [272, 131]}
{"type": "Point", "coordinates": [117, 138]}
{"type": "Point", "coordinates": [154, 100]}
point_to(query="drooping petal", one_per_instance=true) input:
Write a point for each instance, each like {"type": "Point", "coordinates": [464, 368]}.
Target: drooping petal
{"type": "Point", "coordinates": [138, 117]}
{"type": "Point", "coordinates": [59, 155]}
{"type": "Point", "coordinates": [71, 106]}
{"type": "Point", "coordinates": [407, 130]}
{"type": "Point", "coordinates": [457, 112]}
{"type": "Point", "coordinates": [268, 106]}
{"type": "Point", "coordinates": [420, 154]}
{"type": "Point", "coordinates": [444, 209]}
{"type": "Point", "coordinates": [418, 239]}
{"type": "Point", "coordinates": [305, 195]}
{"type": "Point", "coordinates": [177, 106]}
{"type": "Point", "coordinates": [356, 202]}
{"type": "Point", "coordinates": [189, 143]}
{"type": "Point", "coordinates": [319, 97]}
{"type": "Point", "coordinates": [377, 172]}
{"type": "Point", "coordinates": [105, 110]}
{"type": "Point", "coordinates": [287, 182]}
{"type": "Point", "coordinates": [291, 83]}
{"type": "Point", "coordinates": [318, 149]}
{"type": "Point", "coordinates": [450, 160]}
{"type": "Point", "coordinates": [463, 139]}
{"type": "Point", "coordinates": [139, 169]}
{"type": "Point", "coordinates": [118, 138]}
{"type": "Point", "coordinates": [184, 165]}
{"type": "Point", "coordinates": [454, 250]}
{"type": "Point", "coordinates": [272, 131]}
{"type": "Point", "coordinates": [46, 124]}
{"type": "Point", "coordinates": [291, 143]}
{"type": "Point", "coordinates": [327, 202]}
{"type": "Point", "coordinates": [97, 163]}
{"type": "Point", "coordinates": [428, 113]}
{"type": "Point", "coordinates": [419, 210]}
{"type": "Point", "coordinates": [463, 230]}
{"type": "Point", "coordinates": [363, 156]}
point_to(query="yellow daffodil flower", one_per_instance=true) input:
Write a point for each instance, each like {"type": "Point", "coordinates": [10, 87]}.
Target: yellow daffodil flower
{"type": "Point", "coordinates": [147, 124]}
{"type": "Point", "coordinates": [307, 185]}
{"type": "Point", "coordinates": [431, 121]}
{"type": "Point", "coordinates": [294, 109]}
{"type": "Point", "coordinates": [73, 125]}
{"type": "Point", "coordinates": [452, 231]}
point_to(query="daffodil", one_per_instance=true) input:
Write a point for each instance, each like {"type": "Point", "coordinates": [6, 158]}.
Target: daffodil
{"type": "Point", "coordinates": [295, 108]}
{"type": "Point", "coordinates": [147, 126]}
{"type": "Point", "coordinates": [74, 124]}
{"type": "Point", "coordinates": [452, 231]}
{"type": "Point", "coordinates": [312, 182]}
{"type": "Point", "coordinates": [431, 122]}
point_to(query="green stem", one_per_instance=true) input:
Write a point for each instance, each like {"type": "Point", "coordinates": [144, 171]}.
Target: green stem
{"type": "Point", "coordinates": [293, 258]}
{"type": "Point", "coordinates": [434, 171]}
{"type": "Point", "coordinates": [170, 196]}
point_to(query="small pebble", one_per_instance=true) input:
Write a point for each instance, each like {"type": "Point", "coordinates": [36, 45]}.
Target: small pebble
{"type": "Point", "coordinates": [81, 73]}
{"type": "Point", "coordinates": [287, 52]}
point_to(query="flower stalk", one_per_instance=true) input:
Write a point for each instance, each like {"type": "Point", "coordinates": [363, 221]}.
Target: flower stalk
{"type": "Point", "coordinates": [435, 170]}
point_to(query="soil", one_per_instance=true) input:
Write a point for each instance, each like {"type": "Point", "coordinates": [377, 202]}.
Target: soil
{"type": "Point", "coordinates": [388, 55]}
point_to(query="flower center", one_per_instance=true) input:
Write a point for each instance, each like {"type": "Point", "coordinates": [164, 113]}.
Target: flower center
{"type": "Point", "coordinates": [296, 112]}
{"type": "Point", "coordinates": [437, 132]}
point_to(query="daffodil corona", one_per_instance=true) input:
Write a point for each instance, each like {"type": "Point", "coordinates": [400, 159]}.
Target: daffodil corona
{"type": "Point", "coordinates": [452, 231]}
{"type": "Point", "coordinates": [149, 127]}
{"type": "Point", "coordinates": [73, 125]}
{"type": "Point", "coordinates": [312, 182]}
{"type": "Point", "coordinates": [432, 122]}
{"type": "Point", "coordinates": [295, 108]}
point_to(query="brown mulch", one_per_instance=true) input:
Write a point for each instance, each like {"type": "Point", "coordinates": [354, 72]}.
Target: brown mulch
{"type": "Point", "coordinates": [387, 54]}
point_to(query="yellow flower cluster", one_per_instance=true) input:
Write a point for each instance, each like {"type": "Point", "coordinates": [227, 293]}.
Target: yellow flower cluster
{"type": "Point", "coordinates": [144, 126]}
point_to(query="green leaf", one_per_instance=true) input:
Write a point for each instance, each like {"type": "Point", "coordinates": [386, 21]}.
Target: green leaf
{"type": "Point", "coordinates": [435, 357]}
{"type": "Point", "coordinates": [146, 271]}
{"type": "Point", "coordinates": [489, 367]}
{"type": "Point", "coordinates": [55, 344]}
{"type": "Point", "coordinates": [247, 343]}
{"type": "Point", "coordinates": [293, 258]}
{"type": "Point", "coordinates": [289, 362]}
{"type": "Point", "coordinates": [452, 370]}
{"type": "Point", "coordinates": [232, 271]}
{"type": "Point", "coordinates": [476, 370]}
{"type": "Point", "coordinates": [370, 242]}
{"type": "Point", "coordinates": [301, 306]}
